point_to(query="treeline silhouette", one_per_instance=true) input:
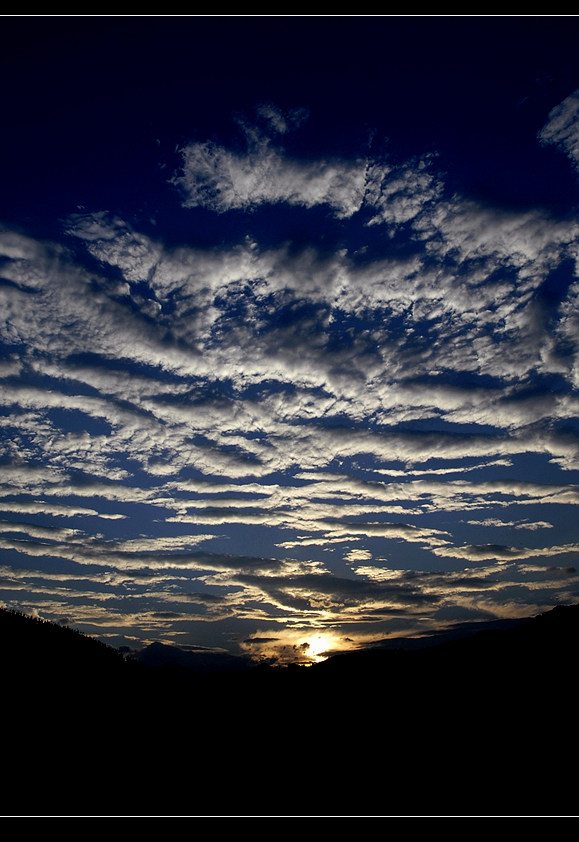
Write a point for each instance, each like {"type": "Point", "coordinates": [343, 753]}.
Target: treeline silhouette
{"type": "Point", "coordinates": [481, 725]}
{"type": "Point", "coordinates": [31, 644]}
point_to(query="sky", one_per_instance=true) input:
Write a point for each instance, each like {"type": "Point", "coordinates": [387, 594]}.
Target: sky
{"type": "Point", "coordinates": [289, 326]}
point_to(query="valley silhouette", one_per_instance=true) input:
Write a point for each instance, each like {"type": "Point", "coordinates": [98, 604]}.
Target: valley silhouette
{"type": "Point", "coordinates": [482, 724]}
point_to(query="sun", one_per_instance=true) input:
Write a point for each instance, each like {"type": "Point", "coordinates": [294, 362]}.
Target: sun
{"type": "Point", "coordinates": [319, 646]}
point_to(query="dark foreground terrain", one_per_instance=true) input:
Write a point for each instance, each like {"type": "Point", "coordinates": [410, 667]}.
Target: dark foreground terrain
{"type": "Point", "coordinates": [484, 725]}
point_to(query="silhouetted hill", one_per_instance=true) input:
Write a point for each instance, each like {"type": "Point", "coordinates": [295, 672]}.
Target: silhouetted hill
{"type": "Point", "coordinates": [545, 641]}
{"type": "Point", "coordinates": [198, 662]}
{"type": "Point", "coordinates": [32, 646]}
{"type": "Point", "coordinates": [481, 725]}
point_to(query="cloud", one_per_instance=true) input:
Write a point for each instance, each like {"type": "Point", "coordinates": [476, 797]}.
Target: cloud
{"type": "Point", "coordinates": [498, 552]}
{"type": "Point", "coordinates": [398, 531]}
{"type": "Point", "coordinates": [221, 588]}
{"type": "Point", "coordinates": [289, 303]}
{"type": "Point", "coordinates": [562, 128]}
{"type": "Point", "coordinates": [53, 509]}
{"type": "Point", "coordinates": [358, 555]}
{"type": "Point", "coordinates": [397, 194]}
{"type": "Point", "coordinates": [50, 533]}
{"type": "Point", "coordinates": [222, 179]}
{"type": "Point", "coordinates": [358, 408]}
{"type": "Point", "coordinates": [521, 524]}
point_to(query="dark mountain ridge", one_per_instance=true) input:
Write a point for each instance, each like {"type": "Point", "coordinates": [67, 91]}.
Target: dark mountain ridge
{"type": "Point", "coordinates": [481, 725]}
{"type": "Point", "coordinates": [32, 647]}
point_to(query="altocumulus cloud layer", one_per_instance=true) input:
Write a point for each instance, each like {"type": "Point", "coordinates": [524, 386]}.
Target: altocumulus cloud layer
{"type": "Point", "coordinates": [276, 448]}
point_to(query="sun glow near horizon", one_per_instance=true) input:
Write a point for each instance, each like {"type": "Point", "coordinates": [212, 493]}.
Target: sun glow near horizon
{"type": "Point", "coordinates": [320, 646]}
{"type": "Point", "coordinates": [290, 646]}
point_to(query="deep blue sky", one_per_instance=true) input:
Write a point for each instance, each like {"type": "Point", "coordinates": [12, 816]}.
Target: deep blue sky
{"type": "Point", "coordinates": [289, 325]}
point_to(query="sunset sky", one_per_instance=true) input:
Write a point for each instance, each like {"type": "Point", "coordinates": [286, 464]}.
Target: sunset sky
{"type": "Point", "coordinates": [289, 326]}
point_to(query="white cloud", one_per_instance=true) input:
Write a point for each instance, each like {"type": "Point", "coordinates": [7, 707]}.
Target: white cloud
{"type": "Point", "coordinates": [515, 524]}
{"type": "Point", "coordinates": [398, 194]}
{"type": "Point", "coordinates": [221, 179]}
{"type": "Point", "coordinates": [562, 127]}
{"type": "Point", "coordinates": [47, 508]}
{"type": "Point", "coordinates": [504, 553]}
